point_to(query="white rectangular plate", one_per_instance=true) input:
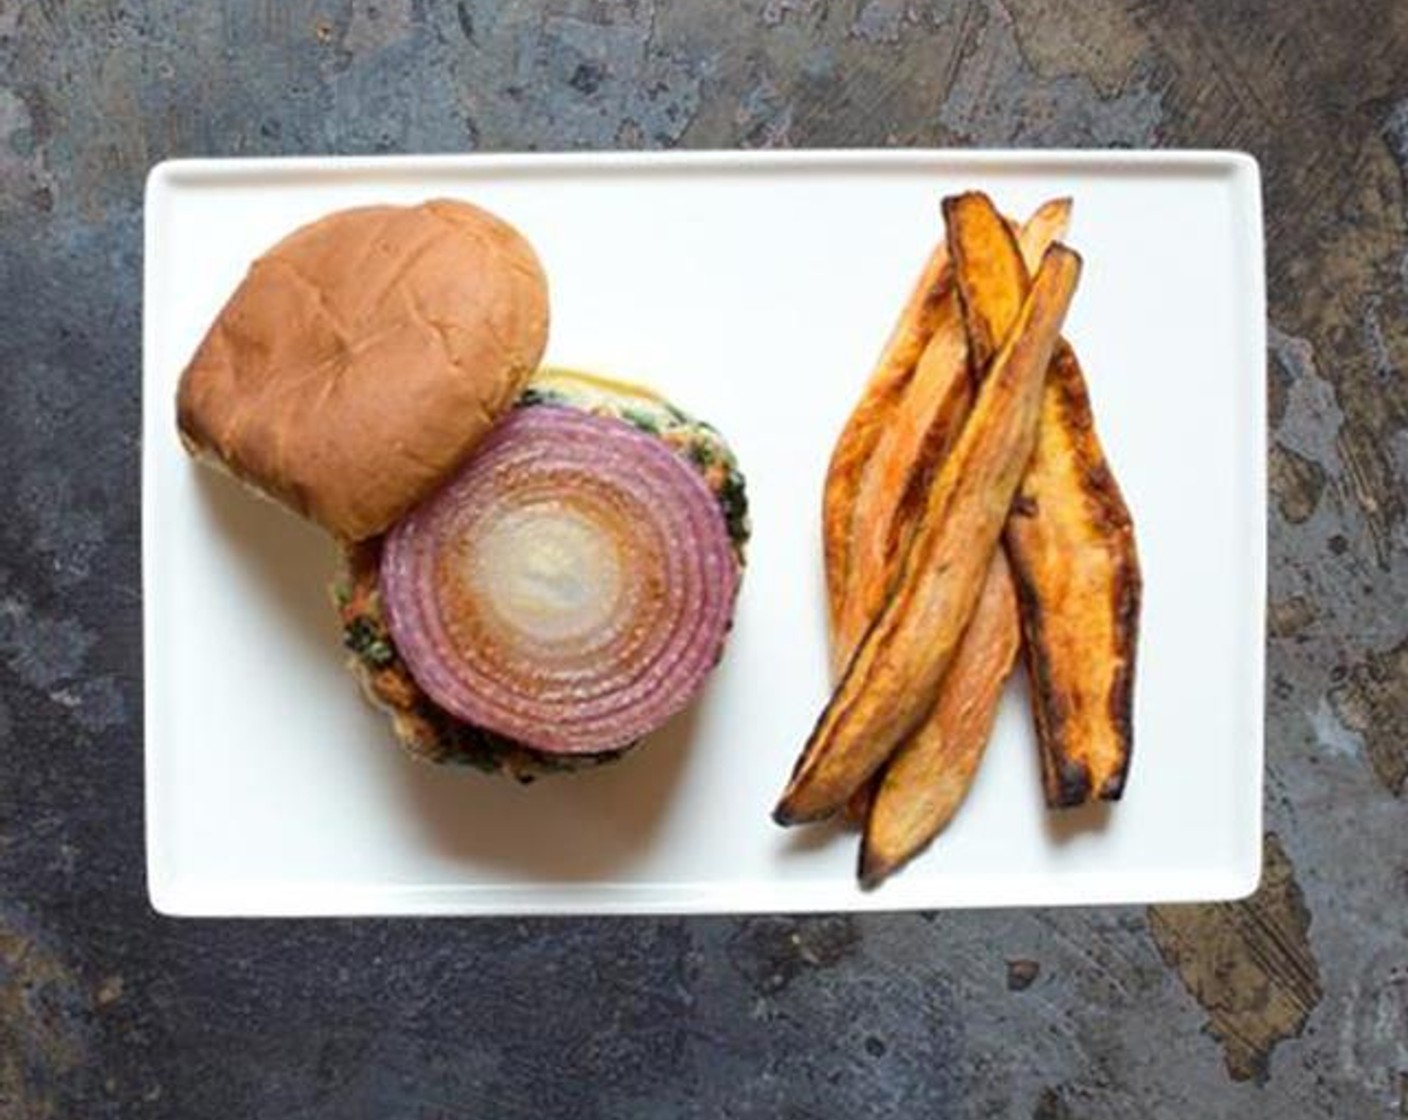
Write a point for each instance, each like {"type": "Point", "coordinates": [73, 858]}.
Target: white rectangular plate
{"type": "Point", "coordinates": [755, 290]}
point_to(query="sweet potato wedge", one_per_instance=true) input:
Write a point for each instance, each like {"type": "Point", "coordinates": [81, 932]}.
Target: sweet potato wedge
{"type": "Point", "coordinates": [1069, 538]}
{"type": "Point", "coordinates": [917, 434]}
{"type": "Point", "coordinates": [890, 683]}
{"type": "Point", "coordinates": [1071, 543]}
{"type": "Point", "coordinates": [926, 780]}
{"type": "Point", "coordinates": [896, 366]}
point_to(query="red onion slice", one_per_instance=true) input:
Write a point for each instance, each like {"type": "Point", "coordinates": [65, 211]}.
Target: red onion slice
{"type": "Point", "coordinates": [570, 588]}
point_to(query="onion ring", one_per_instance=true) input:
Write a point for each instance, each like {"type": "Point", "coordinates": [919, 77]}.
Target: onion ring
{"type": "Point", "coordinates": [570, 588]}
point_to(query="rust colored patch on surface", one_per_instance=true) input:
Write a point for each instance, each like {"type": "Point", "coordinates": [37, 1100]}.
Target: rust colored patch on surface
{"type": "Point", "coordinates": [771, 952]}
{"type": "Point", "coordinates": [1291, 617]}
{"type": "Point", "coordinates": [1022, 974]}
{"type": "Point", "coordinates": [40, 1008]}
{"type": "Point", "coordinates": [1373, 700]}
{"type": "Point", "coordinates": [1297, 483]}
{"type": "Point", "coordinates": [1247, 963]}
{"type": "Point", "coordinates": [1050, 1105]}
{"type": "Point", "coordinates": [1101, 40]}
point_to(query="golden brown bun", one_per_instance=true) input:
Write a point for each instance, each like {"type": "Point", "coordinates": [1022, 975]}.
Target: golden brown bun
{"type": "Point", "coordinates": [363, 356]}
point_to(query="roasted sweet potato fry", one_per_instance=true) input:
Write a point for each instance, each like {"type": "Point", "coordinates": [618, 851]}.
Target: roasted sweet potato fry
{"type": "Point", "coordinates": [930, 303]}
{"type": "Point", "coordinates": [863, 429]}
{"type": "Point", "coordinates": [1069, 539]}
{"type": "Point", "coordinates": [918, 435]}
{"type": "Point", "coordinates": [925, 782]}
{"type": "Point", "coordinates": [890, 684]}
{"type": "Point", "coordinates": [1071, 543]}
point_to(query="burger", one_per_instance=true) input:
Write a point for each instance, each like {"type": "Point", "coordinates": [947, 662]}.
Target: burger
{"type": "Point", "coordinates": [541, 565]}
{"type": "Point", "coordinates": [564, 593]}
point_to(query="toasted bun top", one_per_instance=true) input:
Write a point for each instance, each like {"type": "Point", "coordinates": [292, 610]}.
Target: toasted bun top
{"type": "Point", "coordinates": [363, 356]}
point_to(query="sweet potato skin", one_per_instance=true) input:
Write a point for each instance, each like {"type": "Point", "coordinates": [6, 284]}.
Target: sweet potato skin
{"type": "Point", "coordinates": [1073, 552]}
{"type": "Point", "coordinates": [890, 684]}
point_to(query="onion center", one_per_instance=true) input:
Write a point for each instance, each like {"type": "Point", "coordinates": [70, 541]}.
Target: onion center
{"type": "Point", "coordinates": [551, 572]}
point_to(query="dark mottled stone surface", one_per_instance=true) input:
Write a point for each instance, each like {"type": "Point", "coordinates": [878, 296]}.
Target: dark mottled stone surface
{"type": "Point", "coordinates": [106, 1010]}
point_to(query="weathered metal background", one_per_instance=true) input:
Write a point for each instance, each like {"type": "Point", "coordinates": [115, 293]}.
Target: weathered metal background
{"type": "Point", "coordinates": [1292, 1004]}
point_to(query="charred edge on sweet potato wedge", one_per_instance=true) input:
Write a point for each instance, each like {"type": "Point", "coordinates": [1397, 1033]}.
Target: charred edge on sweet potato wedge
{"type": "Point", "coordinates": [890, 683]}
